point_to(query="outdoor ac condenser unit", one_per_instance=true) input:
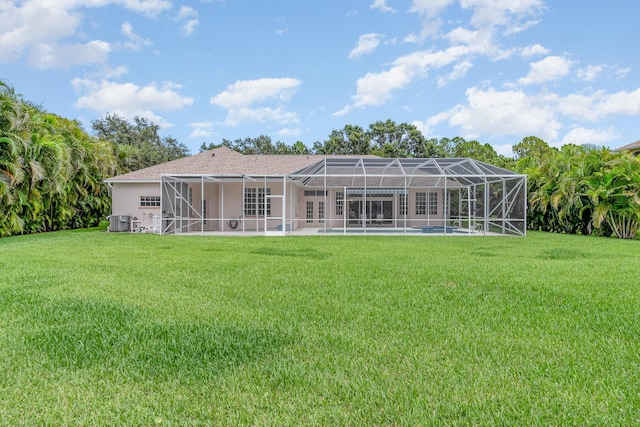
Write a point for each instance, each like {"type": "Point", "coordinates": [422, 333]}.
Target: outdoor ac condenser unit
{"type": "Point", "coordinates": [119, 223]}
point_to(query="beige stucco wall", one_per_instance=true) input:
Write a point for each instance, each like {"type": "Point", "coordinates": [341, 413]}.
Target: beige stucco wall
{"type": "Point", "coordinates": [126, 200]}
{"type": "Point", "coordinates": [334, 220]}
{"type": "Point", "coordinates": [225, 203]}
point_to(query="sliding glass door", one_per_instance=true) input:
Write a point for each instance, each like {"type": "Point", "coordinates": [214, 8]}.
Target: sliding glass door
{"type": "Point", "coordinates": [379, 211]}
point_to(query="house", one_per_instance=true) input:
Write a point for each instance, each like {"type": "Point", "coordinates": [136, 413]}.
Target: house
{"type": "Point", "coordinates": [223, 191]}
{"type": "Point", "coordinates": [633, 148]}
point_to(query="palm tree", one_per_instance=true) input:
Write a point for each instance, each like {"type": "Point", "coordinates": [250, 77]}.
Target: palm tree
{"type": "Point", "coordinates": [613, 191]}
{"type": "Point", "coordinates": [51, 171]}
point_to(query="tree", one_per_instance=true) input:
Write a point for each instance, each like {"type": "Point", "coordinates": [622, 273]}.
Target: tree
{"type": "Point", "coordinates": [351, 139]}
{"type": "Point", "coordinates": [137, 145]}
{"type": "Point", "coordinates": [210, 146]}
{"type": "Point", "coordinates": [614, 190]}
{"type": "Point", "coordinates": [533, 147]}
{"type": "Point", "coordinates": [388, 139]}
{"type": "Point", "coordinates": [584, 191]}
{"type": "Point", "coordinates": [299, 148]}
{"type": "Point", "coordinates": [51, 171]}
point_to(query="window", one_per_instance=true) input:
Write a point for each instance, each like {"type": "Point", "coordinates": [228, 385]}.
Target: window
{"type": "Point", "coordinates": [149, 201]}
{"type": "Point", "coordinates": [315, 193]}
{"type": "Point", "coordinates": [433, 203]}
{"type": "Point", "coordinates": [309, 212]}
{"type": "Point", "coordinates": [402, 201]}
{"type": "Point", "coordinates": [321, 212]}
{"type": "Point", "coordinates": [254, 201]}
{"type": "Point", "coordinates": [204, 208]}
{"type": "Point", "coordinates": [421, 203]}
{"type": "Point", "coordinates": [339, 203]}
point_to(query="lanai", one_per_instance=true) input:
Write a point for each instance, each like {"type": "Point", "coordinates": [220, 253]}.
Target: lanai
{"type": "Point", "coordinates": [358, 194]}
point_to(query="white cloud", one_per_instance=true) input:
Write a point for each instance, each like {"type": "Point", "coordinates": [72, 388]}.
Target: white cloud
{"type": "Point", "coordinates": [189, 27]}
{"type": "Point", "coordinates": [589, 73]}
{"type": "Point", "coordinates": [621, 72]}
{"type": "Point", "coordinates": [282, 26]}
{"type": "Point", "coordinates": [377, 88]}
{"type": "Point", "coordinates": [579, 106]}
{"type": "Point", "coordinates": [620, 103]}
{"type": "Point", "coordinates": [189, 18]}
{"type": "Point", "coordinates": [501, 12]}
{"type": "Point", "coordinates": [135, 42]}
{"type": "Point", "coordinates": [31, 26]}
{"type": "Point", "coordinates": [429, 8]}
{"type": "Point", "coordinates": [246, 92]}
{"type": "Point", "coordinates": [128, 99]}
{"type": "Point", "coordinates": [599, 104]}
{"type": "Point", "coordinates": [260, 114]}
{"type": "Point", "coordinates": [534, 50]}
{"type": "Point", "coordinates": [240, 97]}
{"type": "Point", "coordinates": [34, 28]}
{"type": "Point", "coordinates": [506, 113]}
{"type": "Point", "coordinates": [459, 71]}
{"type": "Point", "coordinates": [504, 149]}
{"type": "Point", "coordinates": [289, 132]}
{"type": "Point", "coordinates": [519, 28]}
{"type": "Point", "coordinates": [427, 126]}
{"type": "Point", "coordinates": [109, 73]}
{"type": "Point", "coordinates": [581, 136]}
{"type": "Point", "coordinates": [514, 112]}
{"type": "Point", "coordinates": [430, 11]}
{"type": "Point", "coordinates": [381, 5]}
{"type": "Point", "coordinates": [478, 41]}
{"type": "Point", "coordinates": [148, 7]}
{"type": "Point", "coordinates": [201, 129]}
{"type": "Point", "coordinates": [52, 55]}
{"type": "Point", "coordinates": [548, 69]}
{"type": "Point", "coordinates": [367, 43]}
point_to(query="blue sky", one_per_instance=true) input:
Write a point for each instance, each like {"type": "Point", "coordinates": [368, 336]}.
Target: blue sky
{"type": "Point", "coordinates": [491, 70]}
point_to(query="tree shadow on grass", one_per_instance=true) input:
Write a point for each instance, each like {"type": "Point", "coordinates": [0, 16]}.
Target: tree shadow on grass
{"type": "Point", "coordinates": [562, 254]}
{"type": "Point", "coordinates": [78, 333]}
{"type": "Point", "coordinates": [298, 253]}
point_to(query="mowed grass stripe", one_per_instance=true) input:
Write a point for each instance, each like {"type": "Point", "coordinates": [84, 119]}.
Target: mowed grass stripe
{"type": "Point", "coordinates": [106, 328]}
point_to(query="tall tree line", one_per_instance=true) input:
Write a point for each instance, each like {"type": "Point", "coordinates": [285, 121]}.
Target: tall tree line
{"type": "Point", "coordinates": [51, 171]}
{"type": "Point", "coordinates": [137, 144]}
{"type": "Point", "coordinates": [382, 138]}
{"type": "Point", "coordinates": [581, 189]}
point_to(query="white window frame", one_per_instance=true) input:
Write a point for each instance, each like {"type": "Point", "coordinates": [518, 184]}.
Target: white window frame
{"type": "Point", "coordinates": [149, 201]}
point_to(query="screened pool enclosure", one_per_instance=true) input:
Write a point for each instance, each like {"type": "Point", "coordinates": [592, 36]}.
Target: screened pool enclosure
{"type": "Point", "coordinates": [351, 195]}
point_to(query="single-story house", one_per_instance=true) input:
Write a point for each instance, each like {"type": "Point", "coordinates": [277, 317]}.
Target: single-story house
{"type": "Point", "coordinates": [633, 148]}
{"type": "Point", "coordinates": [223, 191]}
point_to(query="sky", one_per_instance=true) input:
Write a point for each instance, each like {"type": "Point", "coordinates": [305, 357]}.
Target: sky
{"type": "Point", "coordinates": [295, 70]}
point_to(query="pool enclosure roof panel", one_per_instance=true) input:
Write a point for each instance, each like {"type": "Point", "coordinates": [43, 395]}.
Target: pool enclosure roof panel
{"type": "Point", "coordinates": [398, 172]}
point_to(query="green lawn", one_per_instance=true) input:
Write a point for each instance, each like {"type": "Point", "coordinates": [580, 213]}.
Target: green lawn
{"type": "Point", "coordinates": [133, 329]}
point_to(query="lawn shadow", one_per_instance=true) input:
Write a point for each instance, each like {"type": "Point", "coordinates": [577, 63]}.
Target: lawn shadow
{"type": "Point", "coordinates": [298, 252]}
{"type": "Point", "coordinates": [563, 254]}
{"type": "Point", "coordinates": [75, 333]}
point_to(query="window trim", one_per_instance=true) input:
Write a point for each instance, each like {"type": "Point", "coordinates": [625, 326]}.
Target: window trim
{"type": "Point", "coordinates": [149, 201]}
{"type": "Point", "coordinates": [421, 203]}
{"type": "Point", "coordinates": [253, 201]}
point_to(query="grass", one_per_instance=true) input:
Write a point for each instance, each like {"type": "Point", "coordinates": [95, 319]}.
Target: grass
{"type": "Point", "coordinates": [135, 329]}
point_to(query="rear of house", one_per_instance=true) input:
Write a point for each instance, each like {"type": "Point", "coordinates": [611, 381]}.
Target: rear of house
{"type": "Point", "coordinates": [224, 191]}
